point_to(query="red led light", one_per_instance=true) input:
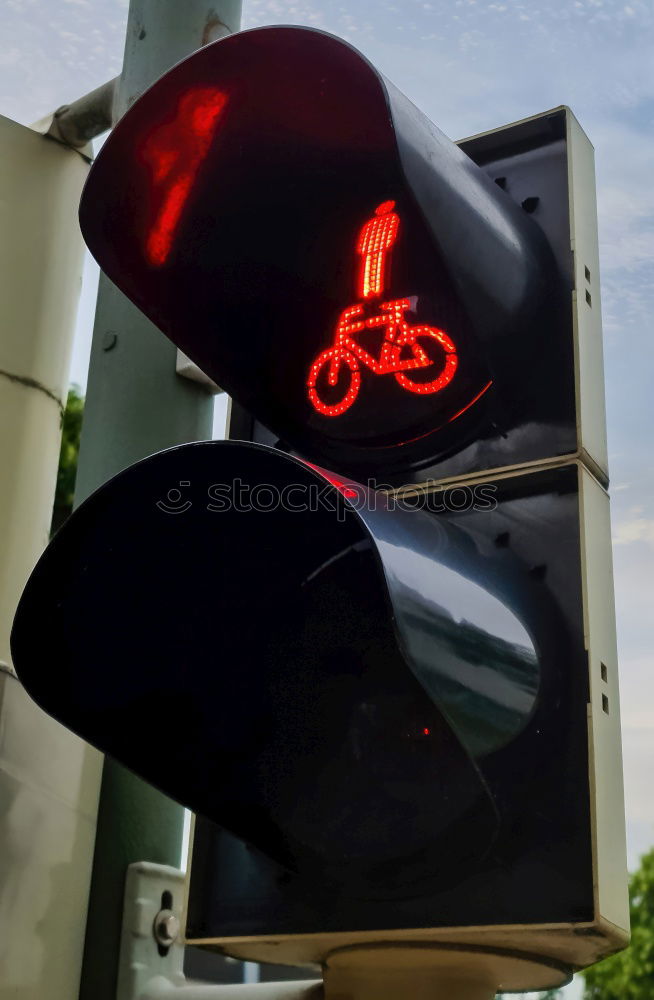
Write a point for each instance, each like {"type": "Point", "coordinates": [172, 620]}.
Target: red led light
{"type": "Point", "coordinates": [472, 401]}
{"type": "Point", "coordinates": [341, 363]}
{"type": "Point", "coordinates": [340, 484]}
{"type": "Point", "coordinates": [174, 154]}
{"type": "Point", "coordinates": [426, 731]}
{"type": "Point", "coordinates": [410, 335]}
{"type": "Point", "coordinates": [332, 360]}
{"type": "Point", "coordinates": [334, 378]}
{"type": "Point", "coordinates": [375, 241]}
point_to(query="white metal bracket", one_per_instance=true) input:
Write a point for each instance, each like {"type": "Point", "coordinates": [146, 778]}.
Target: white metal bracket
{"type": "Point", "coordinates": [149, 889]}
{"type": "Point", "coordinates": [151, 969]}
{"type": "Point", "coordinates": [188, 369]}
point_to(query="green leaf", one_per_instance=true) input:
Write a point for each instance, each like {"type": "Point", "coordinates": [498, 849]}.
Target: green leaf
{"type": "Point", "coordinates": [630, 974]}
{"type": "Point", "coordinates": [68, 455]}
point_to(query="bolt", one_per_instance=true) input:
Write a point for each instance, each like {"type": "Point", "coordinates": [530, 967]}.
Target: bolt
{"type": "Point", "coordinates": [530, 204]}
{"type": "Point", "coordinates": [214, 29]}
{"type": "Point", "coordinates": [166, 928]}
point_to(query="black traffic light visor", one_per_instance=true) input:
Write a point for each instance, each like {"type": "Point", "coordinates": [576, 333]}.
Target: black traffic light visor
{"type": "Point", "coordinates": [310, 239]}
{"type": "Point", "coordinates": [302, 649]}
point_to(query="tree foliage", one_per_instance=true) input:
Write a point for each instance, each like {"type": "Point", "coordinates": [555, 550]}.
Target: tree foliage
{"type": "Point", "coordinates": [70, 437]}
{"type": "Point", "coordinates": [630, 974]}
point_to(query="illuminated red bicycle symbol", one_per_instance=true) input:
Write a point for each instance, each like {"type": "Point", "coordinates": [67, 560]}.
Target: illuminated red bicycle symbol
{"type": "Point", "coordinates": [405, 348]}
{"type": "Point", "coordinates": [401, 352]}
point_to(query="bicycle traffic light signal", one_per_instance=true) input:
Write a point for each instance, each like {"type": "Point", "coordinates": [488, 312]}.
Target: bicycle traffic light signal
{"type": "Point", "coordinates": [400, 706]}
{"type": "Point", "coordinates": [350, 276]}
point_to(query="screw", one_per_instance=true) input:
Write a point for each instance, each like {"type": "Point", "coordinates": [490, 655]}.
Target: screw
{"type": "Point", "coordinates": [530, 204]}
{"type": "Point", "coordinates": [166, 928]}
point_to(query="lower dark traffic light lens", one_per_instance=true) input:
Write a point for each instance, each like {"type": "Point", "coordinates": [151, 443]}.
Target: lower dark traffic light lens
{"type": "Point", "coordinates": [339, 675]}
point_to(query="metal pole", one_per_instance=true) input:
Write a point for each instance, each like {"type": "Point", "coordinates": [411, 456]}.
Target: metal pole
{"type": "Point", "coordinates": [299, 990]}
{"type": "Point", "coordinates": [49, 779]}
{"type": "Point", "coordinates": [137, 405]}
{"type": "Point", "coordinates": [77, 123]}
{"type": "Point", "coordinates": [434, 987]}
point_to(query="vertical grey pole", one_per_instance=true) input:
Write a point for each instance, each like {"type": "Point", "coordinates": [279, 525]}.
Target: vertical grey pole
{"type": "Point", "coordinates": [137, 405]}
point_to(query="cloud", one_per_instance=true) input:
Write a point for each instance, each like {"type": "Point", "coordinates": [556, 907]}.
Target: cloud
{"type": "Point", "coordinates": [56, 60]}
{"type": "Point", "coordinates": [10, 57]}
{"type": "Point", "coordinates": [639, 529]}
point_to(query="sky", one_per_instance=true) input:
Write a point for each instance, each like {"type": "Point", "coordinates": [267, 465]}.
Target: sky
{"type": "Point", "coordinates": [472, 65]}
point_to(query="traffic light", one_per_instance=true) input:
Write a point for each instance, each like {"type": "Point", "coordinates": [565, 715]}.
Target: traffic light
{"type": "Point", "coordinates": [363, 286]}
{"type": "Point", "coordinates": [397, 700]}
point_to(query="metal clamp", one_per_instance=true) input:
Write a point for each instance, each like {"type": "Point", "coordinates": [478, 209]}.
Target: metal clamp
{"type": "Point", "coordinates": [151, 960]}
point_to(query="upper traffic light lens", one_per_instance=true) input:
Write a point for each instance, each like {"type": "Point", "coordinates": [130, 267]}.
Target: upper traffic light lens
{"type": "Point", "coordinates": [174, 153]}
{"type": "Point", "coordinates": [264, 222]}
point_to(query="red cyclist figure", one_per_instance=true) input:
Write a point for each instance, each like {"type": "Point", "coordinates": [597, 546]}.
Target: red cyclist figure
{"type": "Point", "coordinates": [401, 349]}
{"type": "Point", "coordinates": [375, 242]}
